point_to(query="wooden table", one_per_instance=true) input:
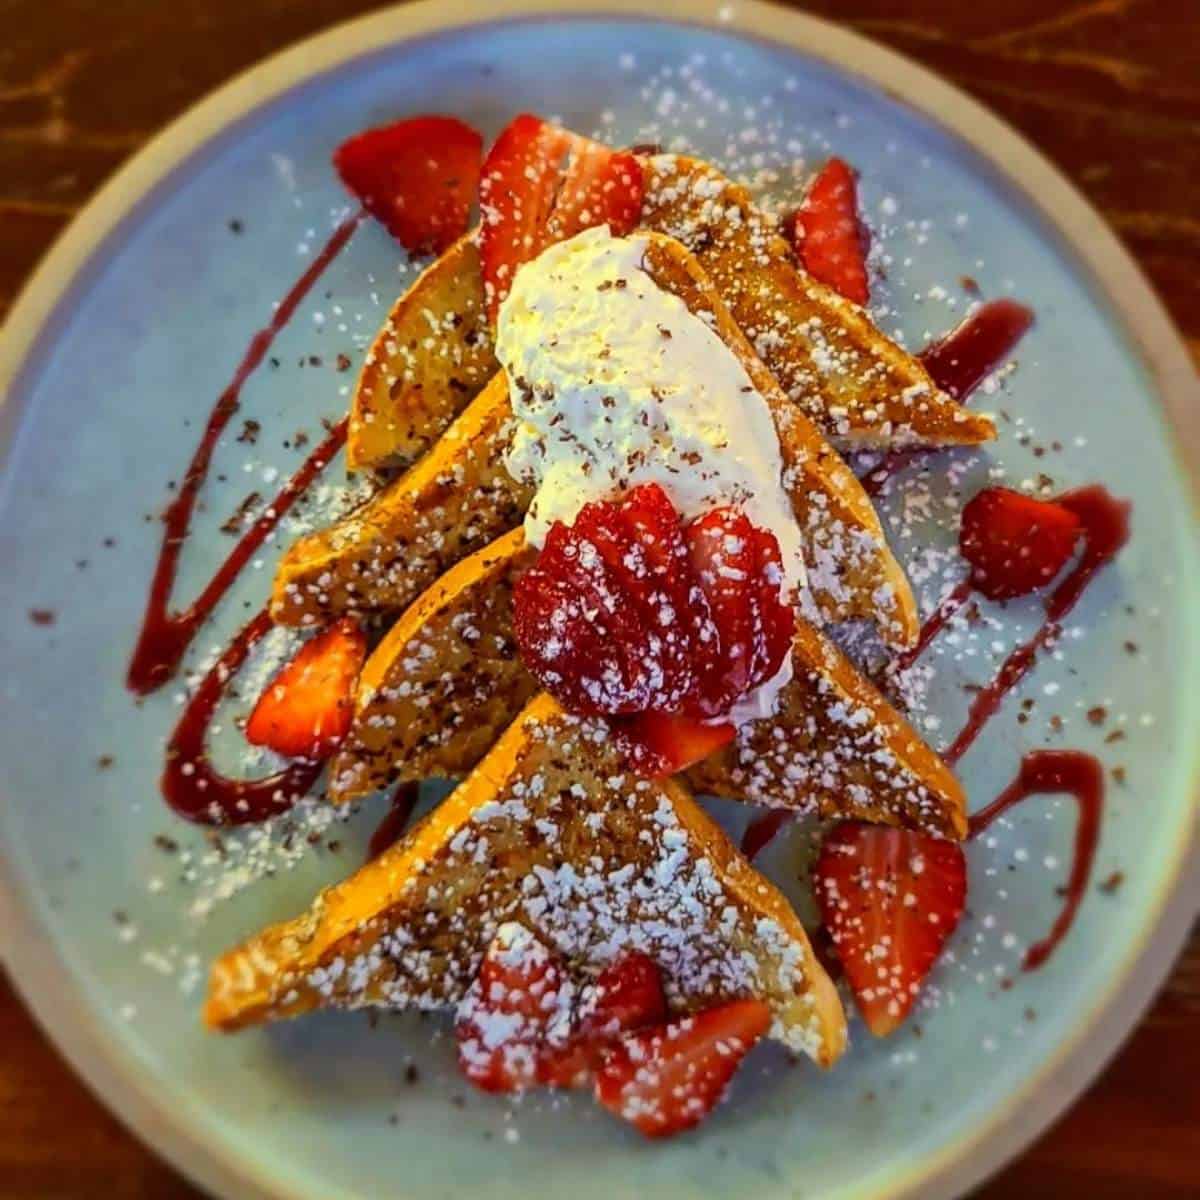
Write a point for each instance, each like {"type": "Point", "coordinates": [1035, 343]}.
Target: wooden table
{"type": "Point", "coordinates": [1109, 89]}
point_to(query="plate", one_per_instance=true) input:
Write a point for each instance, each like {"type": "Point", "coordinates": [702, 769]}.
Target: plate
{"type": "Point", "coordinates": [135, 323]}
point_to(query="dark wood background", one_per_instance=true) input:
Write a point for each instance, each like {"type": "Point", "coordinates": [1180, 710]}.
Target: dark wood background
{"type": "Point", "coordinates": [1109, 89]}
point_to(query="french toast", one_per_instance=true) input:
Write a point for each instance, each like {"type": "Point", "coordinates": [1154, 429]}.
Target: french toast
{"type": "Point", "coordinates": [861, 389]}
{"type": "Point", "coordinates": [552, 832]}
{"type": "Point", "coordinates": [447, 679]}
{"type": "Point", "coordinates": [459, 497]}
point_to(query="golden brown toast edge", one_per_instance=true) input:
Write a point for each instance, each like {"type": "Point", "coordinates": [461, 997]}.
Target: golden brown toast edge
{"type": "Point", "coordinates": [289, 968]}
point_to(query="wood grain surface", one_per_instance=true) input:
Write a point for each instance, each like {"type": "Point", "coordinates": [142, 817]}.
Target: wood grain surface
{"type": "Point", "coordinates": [1108, 89]}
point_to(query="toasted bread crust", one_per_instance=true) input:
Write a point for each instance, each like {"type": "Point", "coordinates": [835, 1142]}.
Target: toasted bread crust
{"type": "Point", "coordinates": [432, 356]}
{"type": "Point", "coordinates": [547, 830]}
{"type": "Point", "coordinates": [432, 698]}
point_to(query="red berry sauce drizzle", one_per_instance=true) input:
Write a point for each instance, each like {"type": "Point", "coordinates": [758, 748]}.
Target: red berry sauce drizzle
{"type": "Point", "coordinates": [395, 821]}
{"type": "Point", "coordinates": [190, 784]}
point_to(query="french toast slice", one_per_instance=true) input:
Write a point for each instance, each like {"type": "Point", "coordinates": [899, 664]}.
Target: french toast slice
{"type": "Point", "coordinates": [459, 497]}
{"type": "Point", "coordinates": [551, 833]}
{"type": "Point", "coordinates": [432, 356]}
{"type": "Point", "coordinates": [447, 678]}
{"type": "Point", "coordinates": [860, 388]}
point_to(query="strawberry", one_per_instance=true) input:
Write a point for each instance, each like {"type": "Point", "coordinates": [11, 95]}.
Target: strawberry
{"type": "Point", "coordinates": [658, 744]}
{"type": "Point", "coordinates": [739, 570]}
{"type": "Point", "coordinates": [1014, 543]}
{"type": "Point", "coordinates": [517, 1008]}
{"type": "Point", "coordinates": [542, 184]}
{"type": "Point", "coordinates": [625, 614]}
{"type": "Point", "coordinates": [889, 898]}
{"type": "Point", "coordinates": [830, 239]}
{"type": "Point", "coordinates": [627, 995]}
{"type": "Point", "coordinates": [417, 176]}
{"type": "Point", "coordinates": [669, 1077]}
{"type": "Point", "coordinates": [306, 710]}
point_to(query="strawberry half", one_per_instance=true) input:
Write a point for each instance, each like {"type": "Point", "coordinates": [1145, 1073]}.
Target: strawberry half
{"type": "Point", "coordinates": [668, 1078]}
{"type": "Point", "coordinates": [517, 1008]}
{"type": "Point", "coordinates": [1014, 543]}
{"type": "Point", "coordinates": [889, 898]}
{"type": "Point", "coordinates": [418, 177]}
{"type": "Point", "coordinates": [542, 184]}
{"type": "Point", "coordinates": [306, 710]}
{"type": "Point", "coordinates": [830, 239]}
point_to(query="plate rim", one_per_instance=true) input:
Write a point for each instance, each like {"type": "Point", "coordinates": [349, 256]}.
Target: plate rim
{"type": "Point", "coordinates": [42, 978]}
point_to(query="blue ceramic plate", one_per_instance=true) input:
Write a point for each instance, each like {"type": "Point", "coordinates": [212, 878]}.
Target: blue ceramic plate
{"type": "Point", "coordinates": [134, 325]}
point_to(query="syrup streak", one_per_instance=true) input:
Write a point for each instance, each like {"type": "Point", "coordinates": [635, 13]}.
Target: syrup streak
{"type": "Point", "coordinates": [1044, 773]}
{"type": "Point", "coordinates": [165, 636]}
{"type": "Point", "coordinates": [395, 821]}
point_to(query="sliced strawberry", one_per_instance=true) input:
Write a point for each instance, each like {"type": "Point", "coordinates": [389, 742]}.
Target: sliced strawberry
{"type": "Point", "coordinates": [668, 1078]}
{"type": "Point", "coordinates": [627, 995]}
{"type": "Point", "coordinates": [889, 898]}
{"type": "Point", "coordinates": [739, 569]}
{"type": "Point", "coordinates": [830, 239]}
{"type": "Point", "coordinates": [418, 177]}
{"type": "Point", "coordinates": [306, 709]}
{"type": "Point", "coordinates": [541, 184]}
{"type": "Point", "coordinates": [1014, 543]}
{"type": "Point", "coordinates": [519, 1006]}
{"type": "Point", "coordinates": [659, 744]}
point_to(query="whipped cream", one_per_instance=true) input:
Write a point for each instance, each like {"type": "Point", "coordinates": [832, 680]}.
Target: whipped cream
{"type": "Point", "coordinates": [614, 382]}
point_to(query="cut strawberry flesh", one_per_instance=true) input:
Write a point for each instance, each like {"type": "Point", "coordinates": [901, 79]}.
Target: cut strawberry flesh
{"type": "Point", "coordinates": [541, 184]}
{"type": "Point", "coordinates": [659, 744]}
{"type": "Point", "coordinates": [831, 241]}
{"type": "Point", "coordinates": [668, 1078]}
{"type": "Point", "coordinates": [418, 177]}
{"type": "Point", "coordinates": [306, 710]}
{"type": "Point", "coordinates": [889, 899]}
{"type": "Point", "coordinates": [1014, 543]}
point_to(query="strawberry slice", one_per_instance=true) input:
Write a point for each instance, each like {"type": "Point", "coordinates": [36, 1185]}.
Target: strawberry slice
{"type": "Point", "coordinates": [830, 239]}
{"type": "Point", "coordinates": [529, 199]}
{"type": "Point", "coordinates": [889, 898]}
{"type": "Point", "coordinates": [659, 744]}
{"type": "Point", "coordinates": [518, 1007]}
{"type": "Point", "coordinates": [668, 1078]}
{"type": "Point", "coordinates": [1014, 543]}
{"type": "Point", "coordinates": [627, 995]}
{"type": "Point", "coordinates": [418, 177]}
{"type": "Point", "coordinates": [306, 710]}
{"type": "Point", "coordinates": [739, 568]}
